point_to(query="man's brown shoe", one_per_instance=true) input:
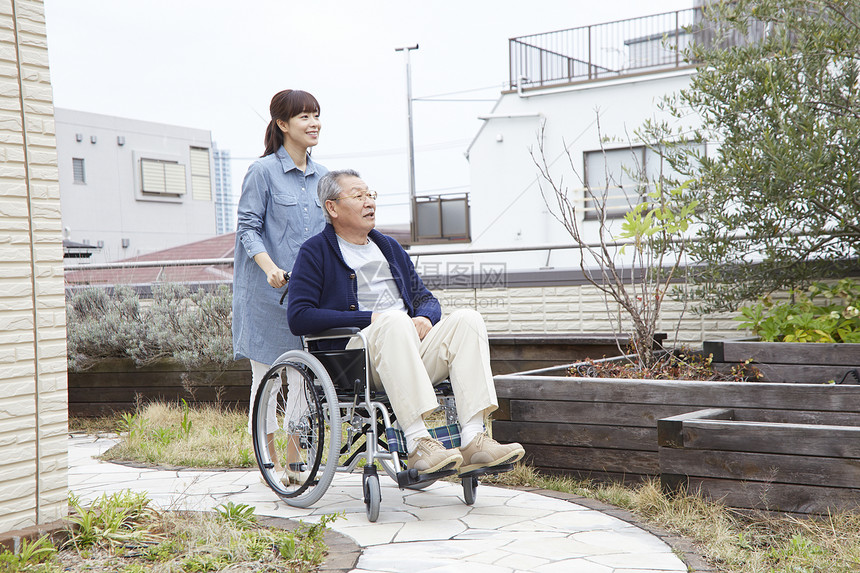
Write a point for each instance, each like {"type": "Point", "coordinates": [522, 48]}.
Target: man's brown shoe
{"type": "Point", "coordinates": [485, 452]}
{"type": "Point", "coordinates": [431, 456]}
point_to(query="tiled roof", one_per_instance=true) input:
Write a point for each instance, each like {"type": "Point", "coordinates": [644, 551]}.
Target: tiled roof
{"type": "Point", "coordinates": [219, 247]}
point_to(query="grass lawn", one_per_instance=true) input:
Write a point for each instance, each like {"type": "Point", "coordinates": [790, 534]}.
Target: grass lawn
{"type": "Point", "coordinates": [177, 435]}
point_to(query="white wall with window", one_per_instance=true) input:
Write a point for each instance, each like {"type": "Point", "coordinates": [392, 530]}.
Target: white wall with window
{"type": "Point", "coordinates": [589, 143]}
{"type": "Point", "coordinates": [132, 187]}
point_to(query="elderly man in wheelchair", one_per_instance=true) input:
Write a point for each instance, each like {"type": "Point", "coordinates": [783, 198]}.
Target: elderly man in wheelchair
{"type": "Point", "coordinates": [374, 335]}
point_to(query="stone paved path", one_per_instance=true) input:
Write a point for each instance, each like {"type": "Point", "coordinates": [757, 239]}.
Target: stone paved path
{"type": "Point", "coordinates": [429, 531]}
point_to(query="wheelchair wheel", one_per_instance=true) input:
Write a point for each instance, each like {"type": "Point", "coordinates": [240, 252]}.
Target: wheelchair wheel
{"type": "Point", "coordinates": [296, 426]}
{"type": "Point", "coordinates": [372, 496]}
{"type": "Point", "coordinates": [470, 486]}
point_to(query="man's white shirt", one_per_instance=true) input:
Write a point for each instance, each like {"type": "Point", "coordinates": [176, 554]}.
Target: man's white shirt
{"type": "Point", "coordinates": [377, 290]}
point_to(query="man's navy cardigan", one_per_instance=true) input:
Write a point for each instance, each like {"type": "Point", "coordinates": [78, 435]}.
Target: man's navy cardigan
{"type": "Point", "coordinates": [323, 291]}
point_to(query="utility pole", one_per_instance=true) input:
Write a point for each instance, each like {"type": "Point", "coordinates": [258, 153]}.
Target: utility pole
{"type": "Point", "coordinates": [413, 231]}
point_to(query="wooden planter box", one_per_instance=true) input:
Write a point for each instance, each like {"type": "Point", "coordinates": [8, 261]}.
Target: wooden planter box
{"type": "Point", "coordinates": [112, 386]}
{"type": "Point", "coordinates": [765, 460]}
{"type": "Point", "coordinates": [606, 429]}
{"type": "Point", "coordinates": [794, 362]}
{"type": "Point", "coordinates": [520, 352]}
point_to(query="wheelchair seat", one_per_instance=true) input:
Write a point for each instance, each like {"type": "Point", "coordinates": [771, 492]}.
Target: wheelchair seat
{"type": "Point", "coordinates": [347, 368]}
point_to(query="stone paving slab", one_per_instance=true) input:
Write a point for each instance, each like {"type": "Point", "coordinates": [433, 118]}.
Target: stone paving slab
{"type": "Point", "coordinates": [428, 531]}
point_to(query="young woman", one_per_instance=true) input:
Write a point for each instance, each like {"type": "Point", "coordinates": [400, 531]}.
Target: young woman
{"type": "Point", "coordinates": [278, 210]}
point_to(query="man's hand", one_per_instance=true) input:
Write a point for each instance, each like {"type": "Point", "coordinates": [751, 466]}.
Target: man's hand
{"type": "Point", "coordinates": [422, 325]}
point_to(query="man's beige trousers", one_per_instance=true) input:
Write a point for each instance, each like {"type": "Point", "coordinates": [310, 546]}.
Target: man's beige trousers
{"type": "Point", "coordinates": [456, 348]}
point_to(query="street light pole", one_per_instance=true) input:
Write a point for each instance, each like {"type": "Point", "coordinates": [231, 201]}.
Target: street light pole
{"type": "Point", "coordinates": [411, 148]}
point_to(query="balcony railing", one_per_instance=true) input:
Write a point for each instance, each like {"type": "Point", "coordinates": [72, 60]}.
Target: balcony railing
{"type": "Point", "coordinates": [600, 51]}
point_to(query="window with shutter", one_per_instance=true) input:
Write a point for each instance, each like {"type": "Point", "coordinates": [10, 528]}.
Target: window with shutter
{"type": "Point", "coordinates": [164, 177]}
{"type": "Point", "coordinates": [201, 183]}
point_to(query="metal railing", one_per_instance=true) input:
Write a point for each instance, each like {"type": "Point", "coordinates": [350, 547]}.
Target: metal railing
{"type": "Point", "coordinates": [416, 255]}
{"type": "Point", "coordinates": [600, 51]}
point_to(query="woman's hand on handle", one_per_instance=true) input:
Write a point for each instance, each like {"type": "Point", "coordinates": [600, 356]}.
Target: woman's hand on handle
{"type": "Point", "coordinates": [275, 275]}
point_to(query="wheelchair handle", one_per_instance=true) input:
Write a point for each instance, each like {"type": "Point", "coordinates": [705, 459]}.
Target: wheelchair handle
{"type": "Point", "coordinates": [286, 287]}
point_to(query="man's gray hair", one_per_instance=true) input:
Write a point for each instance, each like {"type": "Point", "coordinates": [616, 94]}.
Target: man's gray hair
{"type": "Point", "coordinates": [328, 187]}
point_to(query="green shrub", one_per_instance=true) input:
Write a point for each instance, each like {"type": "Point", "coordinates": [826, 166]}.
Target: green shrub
{"type": "Point", "coordinates": [822, 313]}
{"type": "Point", "coordinates": [192, 327]}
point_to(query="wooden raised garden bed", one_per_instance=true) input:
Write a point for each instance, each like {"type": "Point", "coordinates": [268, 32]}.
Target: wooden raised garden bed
{"type": "Point", "coordinates": [772, 460]}
{"type": "Point", "coordinates": [795, 362]}
{"type": "Point", "coordinates": [112, 385]}
{"type": "Point", "coordinates": [520, 352]}
{"type": "Point", "coordinates": [606, 429]}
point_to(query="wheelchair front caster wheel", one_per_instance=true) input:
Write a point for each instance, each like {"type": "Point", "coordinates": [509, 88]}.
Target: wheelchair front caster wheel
{"type": "Point", "coordinates": [470, 487]}
{"type": "Point", "coordinates": [372, 497]}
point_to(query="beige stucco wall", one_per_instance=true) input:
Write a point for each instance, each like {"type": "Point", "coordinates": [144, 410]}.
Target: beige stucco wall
{"type": "Point", "coordinates": [577, 309]}
{"type": "Point", "coordinates": [33, 419]}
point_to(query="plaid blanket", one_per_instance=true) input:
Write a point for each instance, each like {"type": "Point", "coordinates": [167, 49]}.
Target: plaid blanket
{"type": "Point", "coordinates": [448, 435]}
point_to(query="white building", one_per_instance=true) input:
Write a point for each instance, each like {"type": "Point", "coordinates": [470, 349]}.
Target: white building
{"type": "Point", "coordinates": [584, 91]}
{"type": "Point", "coordinates": [131, 187]}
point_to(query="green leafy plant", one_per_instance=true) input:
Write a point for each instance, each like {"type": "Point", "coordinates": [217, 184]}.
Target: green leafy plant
{"type": "Point", "coordinates": [246, 458]}
{"type": "Point", "coordinates": [305, 545]}
{"type": "Point", "coordinates": [163, 435]}
{"type": "Point", "coordinates": [130, 424]}
{"type": "Point", "coordinates": [164, 551]}
{"type": "Point", "coordinates": [186, 421]}
{"type": "Point", "coordinates": [33, 556]}
{"type": "Point", "coordinates": [111, 521]}
{"type": "Point", "coordinates": [240, 515]}
{"type": "Point", "coordinates": [821, 313]}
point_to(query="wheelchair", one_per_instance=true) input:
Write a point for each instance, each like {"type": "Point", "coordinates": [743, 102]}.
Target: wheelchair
{"type": "Point", "coordinates": [317, 409]}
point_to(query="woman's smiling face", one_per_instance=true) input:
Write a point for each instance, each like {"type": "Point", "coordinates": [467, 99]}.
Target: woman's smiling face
{"type": "Point", "coordinates": [302, 130]}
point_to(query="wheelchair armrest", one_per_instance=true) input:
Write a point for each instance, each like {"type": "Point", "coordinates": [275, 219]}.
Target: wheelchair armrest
{"type": "Point", "coordinates": [344, 332]}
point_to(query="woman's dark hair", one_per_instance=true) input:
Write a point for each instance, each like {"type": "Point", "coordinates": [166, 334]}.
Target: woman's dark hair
{"type": "Point", "coordinates": [286, 104]}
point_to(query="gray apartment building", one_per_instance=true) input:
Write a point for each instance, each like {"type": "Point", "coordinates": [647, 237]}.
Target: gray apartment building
{"type": "Point", "coordinates": [130, 187]}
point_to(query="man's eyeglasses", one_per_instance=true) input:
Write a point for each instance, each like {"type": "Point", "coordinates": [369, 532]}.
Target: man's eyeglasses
{"type": "Point", "coordinates": [363, 196]}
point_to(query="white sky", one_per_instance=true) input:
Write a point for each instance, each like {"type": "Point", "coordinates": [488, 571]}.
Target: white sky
{"type": "Point", "coordinates": [215, 64]}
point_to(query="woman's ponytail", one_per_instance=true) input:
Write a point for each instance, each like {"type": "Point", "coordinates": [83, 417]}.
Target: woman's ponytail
{"type": "Point", "coordinates": [274, 138]}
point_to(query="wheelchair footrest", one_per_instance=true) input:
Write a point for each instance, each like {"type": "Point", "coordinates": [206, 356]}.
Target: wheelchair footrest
{"type": "Point", "coordinates": [411, 477]}
{"type": "Point", "coordinates": [490, 471]}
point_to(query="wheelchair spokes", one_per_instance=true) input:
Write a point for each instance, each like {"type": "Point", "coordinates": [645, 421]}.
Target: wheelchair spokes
{"type": "Point", "coordinates": [293, 414]}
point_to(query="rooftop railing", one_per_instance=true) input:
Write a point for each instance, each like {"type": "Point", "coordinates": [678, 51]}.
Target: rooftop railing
{"type": "Point", "coordinates": [612, 49]}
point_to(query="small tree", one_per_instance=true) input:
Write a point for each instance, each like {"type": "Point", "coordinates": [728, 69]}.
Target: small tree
{"type": "Point", "coordinates": [777, 101]}
{"type": "Point", "coordinates": [653, 229]}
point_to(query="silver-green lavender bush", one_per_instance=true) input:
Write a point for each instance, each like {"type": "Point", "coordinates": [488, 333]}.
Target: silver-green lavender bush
{"type": "Point", "coordinates": [191, 327]}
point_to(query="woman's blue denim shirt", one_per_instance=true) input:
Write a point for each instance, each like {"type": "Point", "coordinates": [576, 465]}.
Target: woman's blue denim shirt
{"type": "Point", "coordinates": [278, 210]}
